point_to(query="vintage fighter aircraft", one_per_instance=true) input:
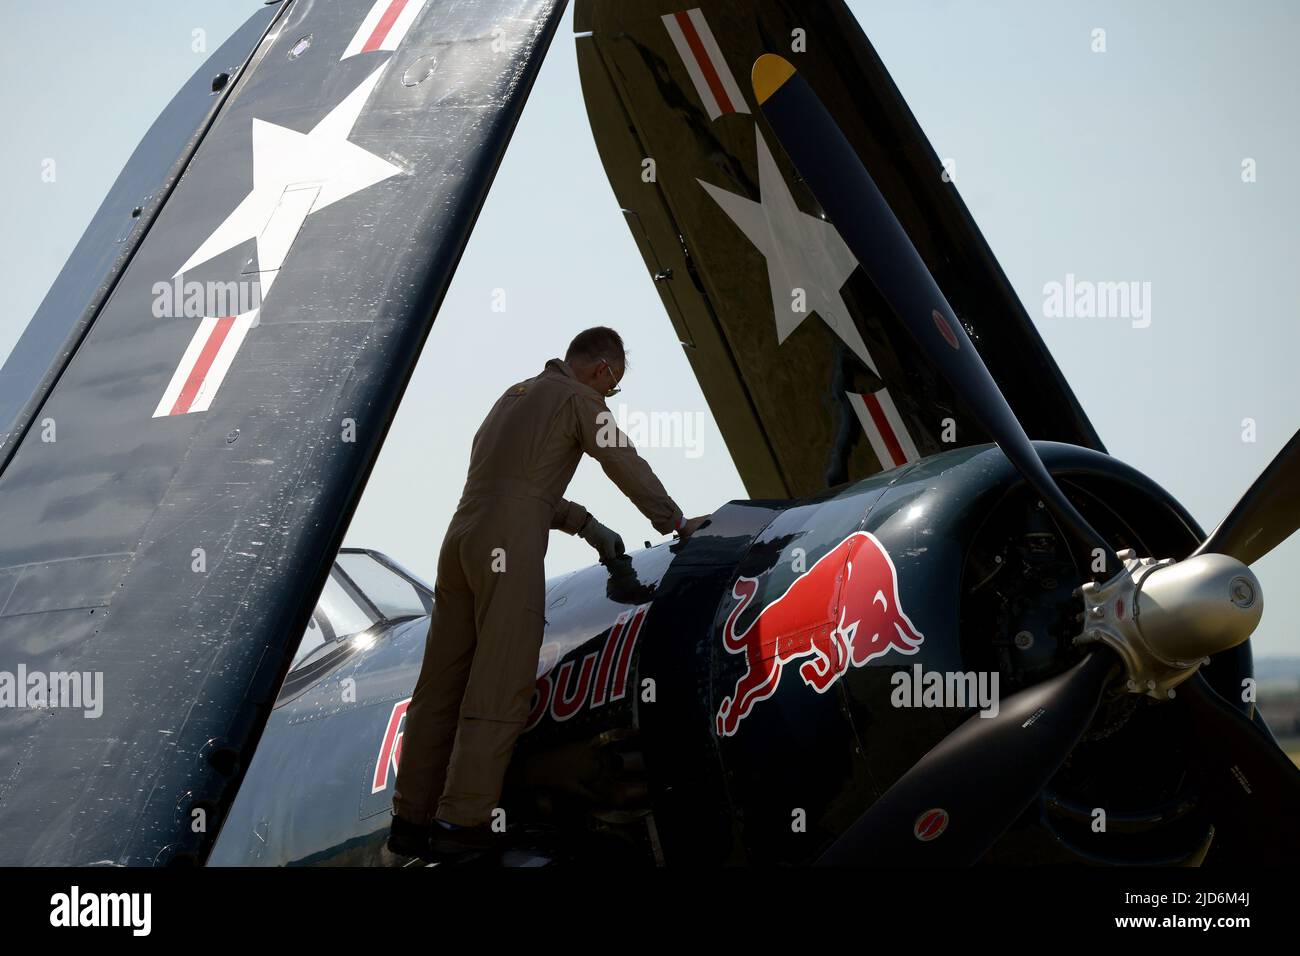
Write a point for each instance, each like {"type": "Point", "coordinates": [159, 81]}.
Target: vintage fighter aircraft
{"type": "Point", "coordinates": [875, 377]}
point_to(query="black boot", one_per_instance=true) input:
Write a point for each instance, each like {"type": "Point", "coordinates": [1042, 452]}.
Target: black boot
{"type": "Point", "coordinates": [410, 839]}
{"type": "Point", "coordinates": [449, 842]}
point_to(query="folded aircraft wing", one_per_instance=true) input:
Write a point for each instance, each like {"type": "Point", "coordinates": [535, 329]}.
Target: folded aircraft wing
{"type": "Point", "coordinates": [810, 380]}
{"type": "Point", "coordinates": [187, 425]}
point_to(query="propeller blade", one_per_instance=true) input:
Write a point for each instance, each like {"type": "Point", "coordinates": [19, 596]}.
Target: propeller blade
{"type": "Point", "coordinates": [962, 795]}
{"type": "Point", "coordinates": [935, 814]}
{"type": "Point", "coordinates": [851, 199]}
{"type": "Point", "coordinates": [1267, 513]}
{"type": "Point", "coordinates": [1255, 785]}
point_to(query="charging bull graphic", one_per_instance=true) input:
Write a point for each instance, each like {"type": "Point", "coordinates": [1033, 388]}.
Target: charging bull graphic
{"type": "Point", "coordinates": [842, 611]}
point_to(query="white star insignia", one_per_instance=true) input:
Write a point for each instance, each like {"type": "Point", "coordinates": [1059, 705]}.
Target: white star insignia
{"type": "Point", "coordinates": [802, 252]}
{"type": "Point", "coordinates": [294, 175]}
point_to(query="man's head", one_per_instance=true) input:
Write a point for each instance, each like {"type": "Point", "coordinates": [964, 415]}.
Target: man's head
{"type": "Point", "coordinates": [597, 359]}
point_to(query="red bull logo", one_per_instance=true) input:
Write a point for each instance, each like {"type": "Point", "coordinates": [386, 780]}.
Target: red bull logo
{"type": "Point", "coordinates": [842, 612]}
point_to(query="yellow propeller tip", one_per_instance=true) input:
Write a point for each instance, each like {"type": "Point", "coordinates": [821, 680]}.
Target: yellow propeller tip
{"type": "Point", "coordinates": [770, 74]}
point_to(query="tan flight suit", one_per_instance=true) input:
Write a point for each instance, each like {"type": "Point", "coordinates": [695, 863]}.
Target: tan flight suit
{"type": "Point", "coordinates": [480, 661]}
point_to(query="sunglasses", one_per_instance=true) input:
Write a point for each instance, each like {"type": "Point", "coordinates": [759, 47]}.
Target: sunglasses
{"type": "Point", "coordinates": [616, 389]}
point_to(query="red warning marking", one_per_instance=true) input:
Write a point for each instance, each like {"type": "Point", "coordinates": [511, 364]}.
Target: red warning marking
{"type": "Point", "coordinates": [945, 329]}
{"type": "Point", "coordinates": [930, 825]}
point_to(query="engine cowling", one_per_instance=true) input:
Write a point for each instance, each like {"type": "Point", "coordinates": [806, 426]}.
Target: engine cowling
{"type": "Point", "coordinates": [774, 681]}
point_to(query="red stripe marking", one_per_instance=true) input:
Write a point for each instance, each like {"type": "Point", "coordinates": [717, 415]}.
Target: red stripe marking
{"type": "Point", "coordinates": [886, 430]}
{"type": "Point", "coordinates": [706, 65]}
{"type": "Point", "coordinates": [200, 371]}
{"type": "Point", "coordinates": [383, 26]}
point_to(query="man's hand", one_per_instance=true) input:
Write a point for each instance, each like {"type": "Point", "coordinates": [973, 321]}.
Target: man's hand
{"type": "Point", "coordinates": [607, 544]}
{"type": "Point", "coordinates": [692, 526]}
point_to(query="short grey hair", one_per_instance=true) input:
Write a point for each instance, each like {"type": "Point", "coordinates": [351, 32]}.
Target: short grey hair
{"type": "Point", "coordinates": [597, 343]}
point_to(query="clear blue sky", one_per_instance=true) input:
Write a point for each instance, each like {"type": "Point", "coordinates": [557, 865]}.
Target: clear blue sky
{"type": "Point", "coordinates": [1123, 165]}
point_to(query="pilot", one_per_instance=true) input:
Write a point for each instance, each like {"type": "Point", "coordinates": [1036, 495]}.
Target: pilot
{"type": "Point", "coordinates": [485, 633]}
